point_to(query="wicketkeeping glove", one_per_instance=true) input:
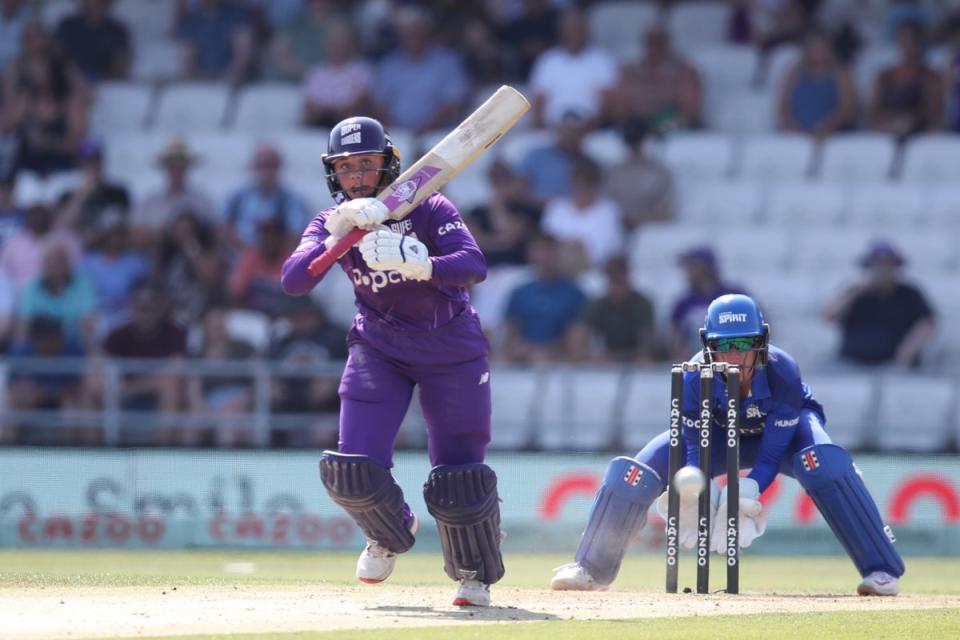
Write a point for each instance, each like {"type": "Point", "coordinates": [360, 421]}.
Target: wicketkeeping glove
{"type": "Point", "coordinates": [753, 520]}
{"type": "Point", "coordinates": [687, 529]}
{"type": "Point", "coordinates": [365, 213]}
{"type": "Point", "coordinates": [385, 250]}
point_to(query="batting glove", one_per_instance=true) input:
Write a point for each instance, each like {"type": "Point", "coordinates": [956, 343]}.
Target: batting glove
{"type": "Point", "coordinates": [689, 513]}
{"type": "Point", "coordinates": [365, 213]}
{"type": "Point", "coordinates": [753, 519]}
{"type": "Point", "coordinates": [385, 250]}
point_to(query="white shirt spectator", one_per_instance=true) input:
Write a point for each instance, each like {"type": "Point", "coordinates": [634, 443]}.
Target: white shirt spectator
{"type": "Point", "coordinates": [572, 82]}
{"type": "Point", "coordinates": [597, 227]}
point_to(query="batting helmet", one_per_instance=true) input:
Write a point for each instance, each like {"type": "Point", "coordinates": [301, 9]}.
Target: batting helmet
{"type": "Point", "coordinates": [735, 322]}
{"type": "Point", "coordinates": [355, 136]}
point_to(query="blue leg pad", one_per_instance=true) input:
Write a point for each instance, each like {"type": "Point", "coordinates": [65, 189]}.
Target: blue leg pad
{"type": "Point", "coordinates": [619, 511]}
{"type": "Point", "coordinates": [463, 500]}
{"type": "Point", "coordinates": [827, 473]}
{"type": "Point", "coordinates": [367, 491]}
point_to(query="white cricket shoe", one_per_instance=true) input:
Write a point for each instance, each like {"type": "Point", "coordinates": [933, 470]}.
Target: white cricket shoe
{"type": "Point", "coordinates": [573, 577]}
{"type": "Point", "coordinates": [376, 563]}
{"type": "Point", "coordinates": [879, 583]}
{"type": "Point", "coordinates": [472, 593]}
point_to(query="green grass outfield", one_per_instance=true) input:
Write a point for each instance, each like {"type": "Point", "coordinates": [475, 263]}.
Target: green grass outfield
{"type": "Point", "coordinates": [811, 578]}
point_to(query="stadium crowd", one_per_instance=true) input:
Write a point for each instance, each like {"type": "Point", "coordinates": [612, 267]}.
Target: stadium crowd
{"type": "Point", "coordinates": [91, 267]}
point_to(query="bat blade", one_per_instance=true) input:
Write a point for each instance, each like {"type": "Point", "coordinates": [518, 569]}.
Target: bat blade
{"type": "Point", "coordinates": [442, 163]}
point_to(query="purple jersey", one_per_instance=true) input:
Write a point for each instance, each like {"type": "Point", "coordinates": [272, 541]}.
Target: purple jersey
{"type": "Point", "coordinates": [389, 297]}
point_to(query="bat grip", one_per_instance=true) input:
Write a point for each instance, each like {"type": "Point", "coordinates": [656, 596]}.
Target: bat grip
{"type": "Point", "coordinates": [320, 264]}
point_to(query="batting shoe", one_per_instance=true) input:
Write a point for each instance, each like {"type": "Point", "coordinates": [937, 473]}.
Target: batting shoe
{"type": "Point", "coordinates": [879, 583]}
{"type": "Point", "coordinates": [472, 593]}
{"type": "Point", "coordinates": [573, 577]}
{"type": "Point", "coordinates": [376, 563]}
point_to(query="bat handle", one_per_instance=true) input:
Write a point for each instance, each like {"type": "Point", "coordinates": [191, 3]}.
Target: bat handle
{"type": "Point", "coordinates": [320, 264]}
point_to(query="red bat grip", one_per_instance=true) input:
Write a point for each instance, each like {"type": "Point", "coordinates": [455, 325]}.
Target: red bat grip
{"type": "Point", "coordinates": [320, 264]}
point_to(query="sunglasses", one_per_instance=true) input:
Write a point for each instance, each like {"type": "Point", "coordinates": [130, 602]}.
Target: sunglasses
{"type": "Point", "coordinates": [736, 344]}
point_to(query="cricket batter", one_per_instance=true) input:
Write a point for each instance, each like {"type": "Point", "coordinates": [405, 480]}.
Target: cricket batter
{"type": "Point", "coordinates": [782, 431]}
{"type": "Point", "coordinates": [414, 327]}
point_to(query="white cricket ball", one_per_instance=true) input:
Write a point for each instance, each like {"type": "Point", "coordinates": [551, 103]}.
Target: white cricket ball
{"type": "Point", "coordinates": [689, 482]}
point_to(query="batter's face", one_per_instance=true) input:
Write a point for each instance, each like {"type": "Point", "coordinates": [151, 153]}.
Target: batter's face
{"type": "Point", "coordinates": [359, 175]}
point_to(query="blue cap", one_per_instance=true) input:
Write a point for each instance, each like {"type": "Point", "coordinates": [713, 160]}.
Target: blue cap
{"type": "Point", "coordinates": [882, 251]}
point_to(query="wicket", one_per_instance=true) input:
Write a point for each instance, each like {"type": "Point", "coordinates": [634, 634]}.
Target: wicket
{"type": "Point", "coordinates": [732, 412]}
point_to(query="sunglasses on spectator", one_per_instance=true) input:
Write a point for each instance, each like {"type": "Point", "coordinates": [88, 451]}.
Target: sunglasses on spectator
{"type": "Point", "coordinates": [724, 345]}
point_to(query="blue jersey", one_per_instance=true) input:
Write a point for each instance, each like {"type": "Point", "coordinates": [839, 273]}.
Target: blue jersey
{"type": "Point", "coordinates": [771, 411]}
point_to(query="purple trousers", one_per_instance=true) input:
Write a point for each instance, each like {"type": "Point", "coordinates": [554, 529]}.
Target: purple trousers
{"type": "Point", "coordinates": [450, 366]}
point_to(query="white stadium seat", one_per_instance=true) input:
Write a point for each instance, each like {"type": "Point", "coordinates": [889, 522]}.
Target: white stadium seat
{"type": "Point", "coordinates": [806, 204]}
{"type": "Point", "coordinates": [247, 325]}
{"type": "Point", "coordinates": [191, 106]}
{"type": "Point", "coordinates": [782, 157]}
{"type": "Point", "coordinates": [743, 112]}
{"type": "Point", "coordinates": [816, 250]}
{"type": "Point", "coordinates": [225, 153]}
{"type": "Point", "coordinates": [745, 249]}
{"type": "Point", "coordinates": [852, 157]}
{"type": "Point", "coordinates": [943, 206]}
{"type": "Point", "coordinates": [127, 154]}
{"type": "Point", "coordinates": [885, 205]}
{"type": "Point", "coordinates": [578, 409]}
{"type": "Point", "coordinates": [268, 107]}
{"type": "Point", "coordinates": [926, 251]}
{"type": "Point", "coordinates": [699, 156]}
{"type": "Point", "coordinates": [302, 150]}
{"type": "Point", "coordinates": [849, 402]}
{"type": "Point", "coordinates": [656, 247]}
{"type": "Point", "coordinates": [931, 158]}
{"type": "Point", "coordinates": [812, 341]}
{"type": "Point", "coordinates": [870, 62]}
{"type": "Point", "coordinates": [157, 61]}
{"type": "Point", "coordinates": [915, 413]}
{"type": "Point", "coordinates": [619, 26]}
{"type": "Point", "coordinates": [606, 147]}
{"type": "Point", "coordinates": [697, 24]}
{"type": "Point", "coordinates": [120, 107]}
{"type": "Point", "coordinates": [646, 408]}
{"type": "Point", "coordinates": [781, 60]}
{"type": "Point", "coordinates": [514, 392]}
{"type": "Point", "coordinates": [719, 203]}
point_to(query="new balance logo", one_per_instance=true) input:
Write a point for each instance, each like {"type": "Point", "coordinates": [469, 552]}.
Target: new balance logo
{"type": "Point", "coordinates": [484, 377]}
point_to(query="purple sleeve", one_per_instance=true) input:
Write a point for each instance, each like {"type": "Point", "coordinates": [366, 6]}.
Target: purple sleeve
{"type": "Point", "coordinates": [459, 261]}
{"type": "Point", "coordinates": [294, 277]}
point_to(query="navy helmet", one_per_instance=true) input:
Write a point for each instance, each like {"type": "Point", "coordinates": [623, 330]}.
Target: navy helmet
{"type": "Point", "coordinates": [734, 322]}
{"type": "Point", "coordinates": [357, 136]}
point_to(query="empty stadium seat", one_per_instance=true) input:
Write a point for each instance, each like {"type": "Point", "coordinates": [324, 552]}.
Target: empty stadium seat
{"type": "Point", "coordinates": [606, 147]}
{"type": "Point", "coordinates": [268, 107]}
{"type": "Point", "coordinates": [916, 413]}
{"type": "Point", "coordinates": [655, 247]}
{"type": "Point", "coordinates": [695, 24]}
{"type": "Point", "coordinates": [619, 26]}
{"type": "Point", "coordinates": [779, 62]}
{"type": "Point", "coordinates": [225, 153]}
{"type": "Point", "coordinates": [157, 61]}
{"type": "Point", "coordinates": [191, 106]}
{"type": "Point", "coordinates": [514, 393]}
{"type": "Point", "coordinates": [885, 205]}
{"type": "Point", "coordinates": [719, 203]}
{"type": "Point", "coordinates": [247, 325]}
{"type": "Point", "coordinates": [849, 402]}
{"type": "Point", "coordinates": [853, 157]}
{"type": "Point", "coordinates": [931, 158]}
{"type": "Point", "coordinates": [926, 251]}
{"type": "Point", "coordinates": [130, 153]}
{"type": "Point", "coordinates": [646, 408]}
{"type": "Point", "coordinates": [782, 294]}
{"type": "Point", "coordinates": [806, 204]}
{"type": "Point", "coordinates": [579, 409]}
{"type": "Point", "coordinates": [745, 249]}
{"type": "Point", "coordinates": [742, 112]}
{"type": "Point", "coordinates": [699, 156]}
{"type": "Point", "coordinates": [869, 63]}
{"type": "Point", "coordinates": [302, 150]}
{"type": "Point", "coordinates": [120, 107]}
{"type": "Point", "coordinates": [821, 252]}
{"type": "Point", "coordinates": [312, 188]}
{"type": "Point", "coordinates": [724, 70]}
{"type": "Point", "coordinates": [813, 342]}
{"type": "Point", "coordinates": [783, 157]}
{"type": "Point", "coordinates": [148, 20]}
{"type": "Point", "coordinates": [943, 206]}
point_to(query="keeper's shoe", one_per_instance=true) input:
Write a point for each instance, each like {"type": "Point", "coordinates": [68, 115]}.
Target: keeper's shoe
{"type": "Point", "coordinates": [472, 593]}
{"type": "Point", "coordinates": [573, 577]}
{"type": "Point", "coordinates": [879, 583]}
{"type": "Point", "coordinates": [376, 563]}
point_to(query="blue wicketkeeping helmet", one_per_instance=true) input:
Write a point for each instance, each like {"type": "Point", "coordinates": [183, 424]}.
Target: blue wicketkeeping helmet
{"type": "Point", "coordinates": [357, 136]}
{"type": "Point", "coordinates": [735, 316]}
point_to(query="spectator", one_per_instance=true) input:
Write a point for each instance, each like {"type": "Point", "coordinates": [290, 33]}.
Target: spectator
{"type": "Point", "coordinates": [151, 333]}
{"type": "Point", "coordinates": [529, 35]}
{"type": "Point", "coordinates": [641, 186]}
{"type": "Point", "coordinates": [308, 342]}
{"type": "Point", "coordinates": [587, 223]}
{"type": "Point", "coordinates": [704, 284]}
{"type": "Point", "coordinates": [266, 198]}
{"type": "Point", "coordinates": [96, 41]}
{"type": "Point", "coordinates": [115, 269]}
{"type": "Point", "coordinates": [547, 170]}
{"type": "Point", "coordinates": [191, 262]}
{"type": "Point", "coordinates": [304, 43]}
{"type": "Point", "coordinates": [619, 326]}
{"type": "Point", "coordinates": [884, 319]}
{"type": "Point", "coordinates": [14, 15]}
{"type": "Point", "coordinates": [157, 211]}
{"type": "Point", "coordinates": [573, 76]}
{"type": "Point", "coordinates": [96, 197]}
{"type": "Point", "coordinates": [484, 58]}
{"type": "Point", "coordinates": [222, 396]}
{"type": "Point", "coordinates": [504, 225]}
{"type": "Point", "coordinates": [61, 292]}
{"type": "Point", "coordinates": [340, 86]}
{"type": "Point", "coordinates": [419, 85]}
{"type": "Point", "coordinates": [22, 254]}
{"type": "Point", "coordinates": [217, 38]}
{"type": "Point", "coordinates": [818, 95]}
{"type": "Point", "coordinates": [8, 310]}
{"type": "Point", "coordinates": [255, 278]}
{"type": "Point", "coordinates": [661, 89]}
{"type": "Point", "coordinates": [12, 216]}
{"type": "Point", "coordinates": [542, 313]}
{"type": "Point", "coordinates": [907, 97]}
{"type": "Point", "coordinates": [34, 390]}
{"type": "Point", "coordinates": [46, 103]}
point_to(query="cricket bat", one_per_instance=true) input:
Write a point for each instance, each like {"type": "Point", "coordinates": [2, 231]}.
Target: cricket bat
{"type": "Point", "coordinates": [438, 166]}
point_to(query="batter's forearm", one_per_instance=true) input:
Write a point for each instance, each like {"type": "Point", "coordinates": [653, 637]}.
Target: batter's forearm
{"type": "Point", "coordinates": [294, 277]}
{"type": "Point", "coordinates": [459, 269]}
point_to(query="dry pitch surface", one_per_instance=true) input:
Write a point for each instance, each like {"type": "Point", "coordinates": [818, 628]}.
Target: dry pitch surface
{"type": "Point", "coordinates": [89, 612]}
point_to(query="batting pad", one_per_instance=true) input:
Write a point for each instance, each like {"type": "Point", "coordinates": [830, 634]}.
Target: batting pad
{"type": "Point", "coordinates": [827, 473]}
{"type": "Point", "coordinates": [463, 500]}
{"type": "Point", "coordinates": [367, 491]}
{"type": "Point", "coordinates": [619, 510]}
